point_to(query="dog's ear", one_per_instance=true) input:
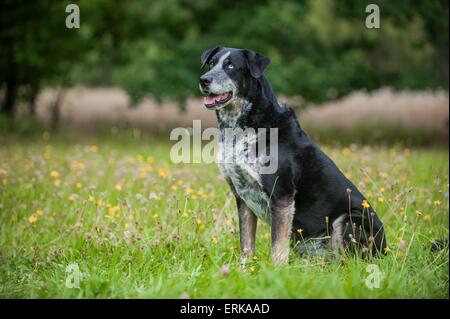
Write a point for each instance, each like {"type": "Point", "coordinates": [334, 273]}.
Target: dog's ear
{"type": "Point", "coordinates": [208, 54]}
{"type": "Point", "coordinates": [256, 63]}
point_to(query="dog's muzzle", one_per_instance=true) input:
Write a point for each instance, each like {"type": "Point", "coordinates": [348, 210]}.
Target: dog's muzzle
{"type": "Point", "coordinates": [212, 100]}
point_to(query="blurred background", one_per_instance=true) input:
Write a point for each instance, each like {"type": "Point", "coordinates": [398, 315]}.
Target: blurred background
{"type": "Point", "coordinates": [134, 65]}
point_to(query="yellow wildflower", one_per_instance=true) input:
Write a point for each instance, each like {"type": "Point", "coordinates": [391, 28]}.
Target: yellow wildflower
{"type": "Point", "coordinates": [146, 169]}
{"type": "Point", "coordinates": [365, 204]}
{"type": "Point", "coordinates": [32, 219]}
{"type": "Point", "coordinates": [380, 199]}
{"type": "Point", "coordinates": [54, 174]}
{"type": "Point", "coordinates": [162, 173]}
{"type": "Point", "coordinates": [40, 212]}
{"type": "Point", "coordinates": [118, 187]}
{"type": "Point", "coordinates": [73, 165]}
{"type": "Point", "coordinates": [113, 209]}
{"type": "Point", "coordinates": [346, 151]}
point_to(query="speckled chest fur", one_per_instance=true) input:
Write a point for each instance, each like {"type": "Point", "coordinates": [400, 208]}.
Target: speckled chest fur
{"type": "Point", "coordinates": [239, 165]}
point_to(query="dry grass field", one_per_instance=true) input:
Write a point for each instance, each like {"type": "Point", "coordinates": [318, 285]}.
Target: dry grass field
{"type": "Point", "coordinates": [391, 113]}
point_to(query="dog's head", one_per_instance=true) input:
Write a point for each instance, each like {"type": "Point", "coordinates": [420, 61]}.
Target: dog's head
{"type": "Point", "coordinates": [230, 73]}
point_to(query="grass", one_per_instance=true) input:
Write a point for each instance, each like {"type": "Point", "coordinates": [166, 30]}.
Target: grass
{"type": "Point", "coordinates": [370, 133]}
{"type": "Point", "coordinates": [138, 226]}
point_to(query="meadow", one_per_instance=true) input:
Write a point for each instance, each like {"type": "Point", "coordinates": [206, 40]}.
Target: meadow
{"type": "Point", "coordinates": [138, 226]}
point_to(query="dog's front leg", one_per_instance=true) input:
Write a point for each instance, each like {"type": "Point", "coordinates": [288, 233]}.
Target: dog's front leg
{"type": "Point", "coordinates": [282, 214]}
{"type": "Point", "coordinates": [247, 229]}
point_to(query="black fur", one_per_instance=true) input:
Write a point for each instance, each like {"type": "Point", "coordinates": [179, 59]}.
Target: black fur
{"type": "Point", "coordinates": [305, 172]}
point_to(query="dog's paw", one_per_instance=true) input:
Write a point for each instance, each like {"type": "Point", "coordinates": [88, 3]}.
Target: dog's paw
{"type": "Point", "coordinates": [243, 263]}
{"type": "Point", "coordinates": [280, 257]}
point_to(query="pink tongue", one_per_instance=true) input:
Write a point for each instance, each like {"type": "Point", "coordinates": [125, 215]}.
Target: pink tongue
{"type": "Point", "coordinates": [212, 99]}
{"type": "Point", "coordinates": [209, 100]}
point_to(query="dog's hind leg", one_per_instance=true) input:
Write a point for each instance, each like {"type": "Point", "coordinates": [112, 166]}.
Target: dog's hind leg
{"type": "Point", "coordinates": [337, 234]}
{"type": "Point", "coordinates": [363, 232]}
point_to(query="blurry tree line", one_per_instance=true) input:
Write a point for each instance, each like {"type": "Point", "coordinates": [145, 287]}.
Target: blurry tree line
{"type": "Point", "coordinates": [320, 49]}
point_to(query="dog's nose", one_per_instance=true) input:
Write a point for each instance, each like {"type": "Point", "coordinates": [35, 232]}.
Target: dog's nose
{"type": "Point", "coordinates": [205, 81]}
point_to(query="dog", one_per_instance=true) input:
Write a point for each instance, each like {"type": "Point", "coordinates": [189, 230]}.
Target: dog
{"type": "Point", "coordinates": [306, 200]}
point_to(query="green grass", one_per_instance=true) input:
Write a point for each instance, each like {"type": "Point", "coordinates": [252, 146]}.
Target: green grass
{"type": "Point", "coordinates": [139, 226]}
{"type": "Point", "coordinates": [374, 133]}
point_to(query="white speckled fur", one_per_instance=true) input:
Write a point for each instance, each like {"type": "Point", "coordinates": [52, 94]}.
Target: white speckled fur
{"type": "Point", "coordinates": [238, 164]}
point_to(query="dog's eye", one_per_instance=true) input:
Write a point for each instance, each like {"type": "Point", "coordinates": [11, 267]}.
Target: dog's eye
{"type": "Point", "coordinates": [211, 65]}
{"type": "Point", "coordinates": [227, 63]}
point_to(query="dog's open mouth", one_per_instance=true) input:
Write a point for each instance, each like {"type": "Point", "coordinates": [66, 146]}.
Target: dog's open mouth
{"type": "Point", "coordinates": [212, 100]}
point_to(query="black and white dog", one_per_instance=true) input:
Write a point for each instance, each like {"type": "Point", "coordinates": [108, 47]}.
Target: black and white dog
{"type": "Point", "coordinates": [307, 198]}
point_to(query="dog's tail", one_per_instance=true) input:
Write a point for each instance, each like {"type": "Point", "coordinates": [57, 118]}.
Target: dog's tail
{"type": "Point", "coordinates": [439, 245]}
